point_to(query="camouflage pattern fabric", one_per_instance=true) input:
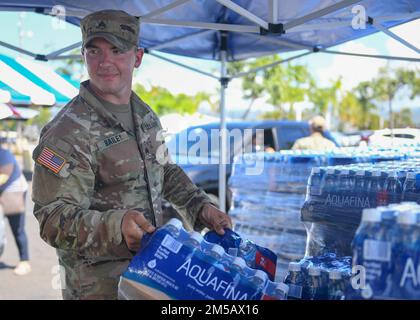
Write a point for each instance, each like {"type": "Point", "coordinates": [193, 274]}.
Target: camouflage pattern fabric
{"type": "Point", "coordinates": [314, 142]}
{"type": "Point", "coordinates": [89, 170]}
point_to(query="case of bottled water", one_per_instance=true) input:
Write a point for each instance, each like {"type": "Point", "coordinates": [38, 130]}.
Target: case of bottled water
{"type": "Point", "coordinates": [176, 264]}
{"type": "Point", "coordinates": [386, 250]}
{"type": "Point", "coordinates": [337, 195]}
{"type": "Point", "coordinates": [324, 277]}
{"type": "Point", "coordinates": [269, 191]}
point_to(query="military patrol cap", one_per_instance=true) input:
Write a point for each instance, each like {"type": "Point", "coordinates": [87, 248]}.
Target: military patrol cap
{"type": "Point", "coordinates": [318, 123]}
{"type": "Point", "coordinates": [115, 26]}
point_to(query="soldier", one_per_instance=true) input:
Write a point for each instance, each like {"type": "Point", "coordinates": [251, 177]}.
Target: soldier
{"type": "Point", "coordinates": [102, 167]}
{"type": "Point", "coordinates": [316, 141]}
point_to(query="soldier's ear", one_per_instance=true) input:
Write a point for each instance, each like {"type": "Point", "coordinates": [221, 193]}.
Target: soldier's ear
{"type": "Point", "coordinates": [139, 57]}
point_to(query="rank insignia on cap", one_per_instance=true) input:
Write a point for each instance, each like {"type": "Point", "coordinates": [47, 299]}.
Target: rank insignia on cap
{"type": "Point", "coordinates": [51, 160]}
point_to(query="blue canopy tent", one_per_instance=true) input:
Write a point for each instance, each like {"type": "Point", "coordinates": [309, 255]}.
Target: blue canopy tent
{"type": "Point", "coordinates": [226, 30]}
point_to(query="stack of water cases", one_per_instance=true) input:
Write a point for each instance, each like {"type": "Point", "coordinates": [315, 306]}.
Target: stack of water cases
{"type": "Point", "coordinates": [386, 253]}
{"type": "Point", "coordinates": [325, 277]}
{"type": "Point", "coordinates": [336, 197]}
{"type": "Point", "coordinates": [176, 264]}
{"type": "Point", "coordinates": [268, 192]}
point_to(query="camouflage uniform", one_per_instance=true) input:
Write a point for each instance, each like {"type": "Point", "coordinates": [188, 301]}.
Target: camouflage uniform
{"type": "Point", "coordinates": [89, 170]}
{"type": "Point", "coordinates": [315, 141]}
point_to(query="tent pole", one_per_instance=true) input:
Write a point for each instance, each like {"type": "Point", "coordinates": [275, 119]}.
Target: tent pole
{"type": "Point", "coordinates": [223, 135]}
{"type": "Point", "coordinates": [395, 37]}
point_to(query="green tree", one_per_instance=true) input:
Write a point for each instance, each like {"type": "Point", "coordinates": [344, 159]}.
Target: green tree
{"type": "Point", "coordinates": [283, 84]}
{"type": "Point", "coordinates": [404, 118]}
{"type": "Point", "coordinates": [322, 97]}
{"type": "Point", "coordinates": [391, 81]}
{"type": "Point", "coordinates": [72, 67]}
{"type": "Point", "coordinates": [162, 101]}
{"type": "Point", "coordinates": [252, 83]}
{"type": "Point", "coordinates": [41, 119]}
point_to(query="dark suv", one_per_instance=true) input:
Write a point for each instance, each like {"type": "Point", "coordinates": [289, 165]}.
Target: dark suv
{"type": "Point", "coordinates": [196, 149]}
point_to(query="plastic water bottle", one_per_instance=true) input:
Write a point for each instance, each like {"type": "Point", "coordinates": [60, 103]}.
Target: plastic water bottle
{"type": "Point", "coordinates": [405, 281]}
{"type": "Point", "coordinates": [295, 280]}
{"type": "Point", "coordinates": [367, 227]}
{"type": "Point", "coordinates": [194, 241]}
{"type": "Point", "coordinates": [360, 184]}
{"type": "Point", "coordinates": [280, 291]}
{"type": "Point", "coordinates": [411, 189]}
{"type": "Point", "coordinates": [258, 279]}
{"type": "Point", "coordinates": [173, 226]}
{"type": "Point", "coordinates": [329, 183]}
{"type": "Point", "coordinates": [377, 191]}
{"type": "Point", "coordinates": [336, 285]}
{"type": "Point", "coordinates": [314, 287]}
{"type": "Point", "coordinates": [238, 266]}
{"type": "Point", "coordinates": [314, 182]}
{"type": "Point", "coordinates": [393, 188]}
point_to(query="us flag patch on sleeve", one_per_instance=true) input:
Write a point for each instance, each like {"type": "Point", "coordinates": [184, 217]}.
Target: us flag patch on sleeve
{"type": "Point", "coordinates": [51, 160]}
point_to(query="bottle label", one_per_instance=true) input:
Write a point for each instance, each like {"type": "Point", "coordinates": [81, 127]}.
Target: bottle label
{"type": "Point", "coordinates": [295, 291]}
{"type": "Point", "coordinates": [170, 243]}
{"type": "Point", "coordinates": [377, 250]}
{"type": "Point", "coordinates": [167, 267]}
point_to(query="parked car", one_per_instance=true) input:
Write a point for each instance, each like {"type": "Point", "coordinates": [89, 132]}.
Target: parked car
{"type": "Point", "coordinates": [201, 164]}
{"type": "Point", "coordinates": [398, 137]}
{"type": "Point", "coordinates": [352, 139]}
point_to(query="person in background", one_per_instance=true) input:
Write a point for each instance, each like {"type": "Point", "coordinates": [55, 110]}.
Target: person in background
{"type": "Point", "coordinates": [317, 140]}
{"type": "Point", "coordinates": [13, 187]}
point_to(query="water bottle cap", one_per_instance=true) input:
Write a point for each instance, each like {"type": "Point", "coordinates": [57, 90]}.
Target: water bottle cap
{"type": "Point", "coordinates": [330, 171]}
{"type": "Point", "coordinates": [371, 215]}
{"type": "Point", "coordinates": [294, 266]}
{"type": "Point", "coordinates": [239, 262]}
{"type": "Point", "coordinates": [406, 217]}
{"type": "Point", "coordinates": [388, 214]}
{"type": "Point", "coordinates": [316, 170]}
{"type": "Point", "coordinates": [283, 287]}
{"type": "Point", "coordinates": [376, 173]}
{"type": "Point", "coordinates": [175, 222]}
{"type": "Point", "coordinates": [335, 275]}
{"type": "Point", "coordinates": [217, 249]}
{"type": "Point", "coordinates": [409, 204]}
{"type": "Point", "coordinates": [411, 175]}
{"type": "Point", "coordinates": [314, 271]}
{"type": "Point", "coordinates": [194, 235]}
{"type": "Point", "coordinates": [260, 275]}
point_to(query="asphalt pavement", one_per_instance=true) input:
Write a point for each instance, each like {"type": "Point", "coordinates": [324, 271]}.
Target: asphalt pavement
{"type": "Point", "coordinates": [43, 283]}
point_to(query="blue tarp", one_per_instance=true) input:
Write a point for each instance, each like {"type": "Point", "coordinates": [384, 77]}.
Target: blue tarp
{"type": "Point", "coordinates": [240, 45]}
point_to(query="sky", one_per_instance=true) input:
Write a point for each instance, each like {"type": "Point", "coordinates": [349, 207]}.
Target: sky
{"type": "Point", "coordinates": [42, 34]}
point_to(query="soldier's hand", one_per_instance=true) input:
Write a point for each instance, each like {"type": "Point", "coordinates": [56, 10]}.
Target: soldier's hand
{"type": "Point", "coordinates": [134, 226]}
{"type": "Point", "coordinates": [215, 219]}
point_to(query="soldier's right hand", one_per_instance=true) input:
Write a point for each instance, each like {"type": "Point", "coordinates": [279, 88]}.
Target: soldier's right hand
{"type": "Point", "coordinates": [133, 227]}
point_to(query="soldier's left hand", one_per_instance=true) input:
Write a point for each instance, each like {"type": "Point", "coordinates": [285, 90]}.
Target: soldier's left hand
{"type": "Point", "coordinates": [215, 219]}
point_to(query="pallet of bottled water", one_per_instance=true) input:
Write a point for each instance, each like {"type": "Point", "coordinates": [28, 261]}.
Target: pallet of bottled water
{"type": "Point", "coordinates": [179, 265]}
{"type": "Point", "coordinates": [337, 195]}
{"type": "Point", "coordinates": [268, 192]}
{"type": "Point", "coordinates": [386, 251]}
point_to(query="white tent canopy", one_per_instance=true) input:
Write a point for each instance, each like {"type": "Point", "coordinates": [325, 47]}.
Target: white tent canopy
{"type": "Point", "coordinates": [227, 30]}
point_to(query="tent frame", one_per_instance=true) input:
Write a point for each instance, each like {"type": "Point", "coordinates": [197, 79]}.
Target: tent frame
{"type": "Point", "coordinates": [261, 29]}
